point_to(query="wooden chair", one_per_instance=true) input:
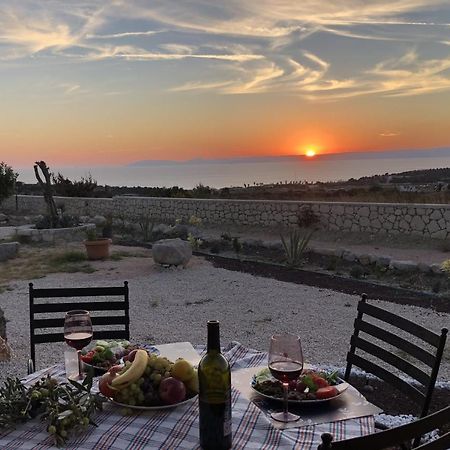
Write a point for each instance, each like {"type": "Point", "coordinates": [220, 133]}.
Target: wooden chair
{"type": "Point", "coordinates": [395, 436]}
{"type": "Point", "coordinates": [421, 392]}
{"type": "Point", "coordinates": [121, 321]}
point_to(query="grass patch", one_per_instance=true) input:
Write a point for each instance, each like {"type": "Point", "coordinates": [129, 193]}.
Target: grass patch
{"type": "Point", "coordinates": [120, 254]}
{"type": "Point", "coordinates": [36, 261]}
{"type": "Point", "coordinates": [70, 256]}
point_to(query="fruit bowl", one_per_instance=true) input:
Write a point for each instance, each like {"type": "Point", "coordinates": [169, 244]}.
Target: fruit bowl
{"type": "Point", "coordinates": [148, 381]}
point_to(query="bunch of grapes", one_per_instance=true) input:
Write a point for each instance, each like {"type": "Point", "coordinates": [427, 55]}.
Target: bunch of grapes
{"type": "Point", "coordinates": [144, 391]}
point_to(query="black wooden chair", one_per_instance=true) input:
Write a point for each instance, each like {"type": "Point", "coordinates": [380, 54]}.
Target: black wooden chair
{"type": "Point", "coordinates": [430, 358]}
{"type": "Point", "coordinates": [421, 392]}
{"type": "Point", "coordinates": [398, 435]}
{"type": "Point", "coordinates": [121, 322]}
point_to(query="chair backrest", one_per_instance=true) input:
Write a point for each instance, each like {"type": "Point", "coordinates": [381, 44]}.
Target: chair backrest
{"type": "Point", "coordinates": [420, 392]}
{"type": "Point", "coordinates": [120, 320]}
{"type": "Point", "coordinates": [397, 435]}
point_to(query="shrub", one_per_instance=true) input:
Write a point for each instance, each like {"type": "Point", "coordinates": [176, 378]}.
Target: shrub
{"type": "Point", "coordinates": [296, 247]}
{"type": "Point", "coordinates": [146, 226]}
{"type": "Point", "coordinates": [7, 181]}
{"type": "Point", "coordinates": [62, 221]}
{"type": "Point", "coordinates": [226, 237]}
{"type": "Point", "coordinates": [195, 242]}
{"type": "Point", "coordinates": [201, 191]}
{"type": "Point", "coordinates": [195, 221]}
{"type": "Point", "coordinates": [237, 246]}
{"type": "Point", "coordinates": [67, 188]}
{"type": "Point", "coordinates": [446, 266]}
{"type": "Point", "coordinates": [357, 272]}
{"type": "Point", "coordinates": [307, 218]}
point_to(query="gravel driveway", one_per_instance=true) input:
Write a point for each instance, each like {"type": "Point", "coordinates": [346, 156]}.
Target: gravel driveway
{"type": "Point", "coordinates": [170, 305]}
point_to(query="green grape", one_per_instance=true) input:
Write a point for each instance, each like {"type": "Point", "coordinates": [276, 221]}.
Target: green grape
{"type": "Point", "coordinates": [126, 393]}
{"type": "Point", "coordinates": [140, 381]}
{"type": "Point", "coordinates": [158, 377]}
{"type": "Point", "coordinates": [132, 402]}
{"type": "Point", "coordinates": [134, 387]}
{"type": "Point", "coordinates": [166, 374]}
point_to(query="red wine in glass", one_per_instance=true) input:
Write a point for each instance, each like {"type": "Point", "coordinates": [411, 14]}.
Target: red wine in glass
{"type": "Point", "coordinates": [78, 340]}
{"type": "Point", "coordinates": [78, 332]}
{"type": "Point", "coordinates": [286, 371]}
{"type": "Point", "coordinates": [285, 364]}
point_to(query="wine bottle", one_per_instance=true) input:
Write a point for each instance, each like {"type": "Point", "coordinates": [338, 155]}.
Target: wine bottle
{"type": "Point", "coordinates": [214, 394]}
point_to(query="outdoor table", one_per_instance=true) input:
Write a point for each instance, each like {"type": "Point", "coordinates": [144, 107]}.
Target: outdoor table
{"type": "Point", "coordinates": [178, 428]}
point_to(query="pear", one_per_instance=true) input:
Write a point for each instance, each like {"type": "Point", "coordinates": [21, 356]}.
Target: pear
{"type": "Point", "coordinates": [182, 370]}
{"type": "Point", "coordinates": [192, 384]}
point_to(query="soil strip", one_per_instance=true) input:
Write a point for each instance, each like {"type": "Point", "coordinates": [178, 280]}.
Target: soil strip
{"type": "Point", "coordinates": [333, 282]}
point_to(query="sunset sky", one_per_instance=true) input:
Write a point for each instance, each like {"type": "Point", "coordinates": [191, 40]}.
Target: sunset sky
{"type": "Point", "coordinates": [111, 82]}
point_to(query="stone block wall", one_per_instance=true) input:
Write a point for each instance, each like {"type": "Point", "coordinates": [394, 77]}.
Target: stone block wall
{"type": "Point", "coordinates": [409, 219]}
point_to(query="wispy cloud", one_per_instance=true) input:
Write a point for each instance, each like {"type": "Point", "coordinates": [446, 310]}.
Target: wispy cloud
{"type": "Point", "coordinates": [123, 35]}
{"type": "Point", "coordinates": [389, 134]}
{"type": "Point", "coordinates": [256, 46]}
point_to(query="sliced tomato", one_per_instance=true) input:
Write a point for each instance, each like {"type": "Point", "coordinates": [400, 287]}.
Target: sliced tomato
{"type": "Point", "coordinates": [319, 381]}
{"type": "Point", "coordinates": [326, 392]}
{"type": "Point", "coordinates": [87, 358]}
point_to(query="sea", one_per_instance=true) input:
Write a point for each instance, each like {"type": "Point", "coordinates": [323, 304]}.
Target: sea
{"type": "Point", "coordinates": [245, 172]}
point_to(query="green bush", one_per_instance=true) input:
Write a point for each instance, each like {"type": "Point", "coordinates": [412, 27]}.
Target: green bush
{"type": "Point", "coordinates": [67, 188]}
{"type": "Point", "coordinates": [7, 181]}
{"type": "Point", "coordinates": [295, 247]}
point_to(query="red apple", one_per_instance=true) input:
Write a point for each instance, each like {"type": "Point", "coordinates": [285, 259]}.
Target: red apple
{"type": "Point", "coordinates": [104, 384]}
{"type": "Point", "coordinates": [130, 356]}
{"type": "Point", "coordinates": [172, 391]}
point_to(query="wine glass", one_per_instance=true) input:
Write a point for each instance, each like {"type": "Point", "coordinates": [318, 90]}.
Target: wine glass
{"type": "Point", "coordinates": [285, 364]}
{"type": "Point", "coordinates": [78, 332]}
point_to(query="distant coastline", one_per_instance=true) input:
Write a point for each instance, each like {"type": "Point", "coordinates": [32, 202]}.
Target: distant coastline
{"type": "Point", "coordinates": [385, 154]}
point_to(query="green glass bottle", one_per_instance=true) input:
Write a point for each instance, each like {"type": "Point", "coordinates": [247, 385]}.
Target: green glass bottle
{"type": "Point", "coordinates": [214, 394]}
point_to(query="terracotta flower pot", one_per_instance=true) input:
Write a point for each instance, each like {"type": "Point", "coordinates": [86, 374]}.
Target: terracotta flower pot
{"type": "Point", "coordinates": [98, 249]}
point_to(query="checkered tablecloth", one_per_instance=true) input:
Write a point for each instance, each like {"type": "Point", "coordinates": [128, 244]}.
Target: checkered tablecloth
{"type": "Point", "coordinates": [178, 428]}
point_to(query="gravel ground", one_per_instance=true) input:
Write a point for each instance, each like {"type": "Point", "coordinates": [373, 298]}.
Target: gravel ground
{"type": "Point", "coordinates": [169, 305]}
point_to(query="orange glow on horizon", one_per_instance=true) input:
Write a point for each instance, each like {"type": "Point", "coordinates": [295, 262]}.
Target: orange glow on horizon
{"type": "Point", "coordinates": [310, 153]}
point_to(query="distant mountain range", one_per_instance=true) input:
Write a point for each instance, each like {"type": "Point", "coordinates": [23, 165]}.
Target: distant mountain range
{"type": "Point", "coordinates": [387, 154]}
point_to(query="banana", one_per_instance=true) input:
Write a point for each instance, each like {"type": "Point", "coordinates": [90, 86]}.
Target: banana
{"type": "Point", "coordinates": [135, 371]}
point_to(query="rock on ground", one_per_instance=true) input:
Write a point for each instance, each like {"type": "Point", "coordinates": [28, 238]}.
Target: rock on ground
{"type": "Point", "coordinates": [172, 252]}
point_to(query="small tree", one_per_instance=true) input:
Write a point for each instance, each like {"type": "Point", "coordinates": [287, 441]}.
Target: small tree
{"type": "Point", "coordinates": [47, 190]}
{"type": "Point", "coordinates": [7, 181]}
{"type": "Point", "coordinates": [68, 188]}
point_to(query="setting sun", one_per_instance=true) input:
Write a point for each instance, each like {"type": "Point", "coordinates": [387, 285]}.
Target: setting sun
{"type": "Point", "coordinates": [310, 153]}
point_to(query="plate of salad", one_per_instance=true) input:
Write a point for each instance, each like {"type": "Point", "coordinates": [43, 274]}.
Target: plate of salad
{"type": "Point", "coordinates": [101, 355]}
{"type": "Point", "coordinates": [312, 386]}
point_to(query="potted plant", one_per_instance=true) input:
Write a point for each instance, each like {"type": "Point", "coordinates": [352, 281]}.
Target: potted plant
{"type": "Point", "coordinates": [96, 247]}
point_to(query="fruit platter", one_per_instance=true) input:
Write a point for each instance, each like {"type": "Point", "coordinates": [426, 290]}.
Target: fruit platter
{"type": "Point", "coordinates": [148, 381]}
{"type": "Point", "coordinates": [311, 386]}
{"type": "Point", "coordinates": [104, 354]}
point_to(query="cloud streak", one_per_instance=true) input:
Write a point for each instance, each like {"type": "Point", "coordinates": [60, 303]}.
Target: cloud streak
{"type": "Point", "coordinates": [254, 47]}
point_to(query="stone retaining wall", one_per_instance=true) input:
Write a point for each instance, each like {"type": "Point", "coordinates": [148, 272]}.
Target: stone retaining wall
{"type": "Point", "coordinates": [75, 234]}
{"type": "Point", "coordinates": [417, 219]}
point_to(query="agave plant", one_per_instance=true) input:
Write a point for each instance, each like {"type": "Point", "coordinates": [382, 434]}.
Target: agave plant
{"type": "Point", "coordinates": [295, 246]}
